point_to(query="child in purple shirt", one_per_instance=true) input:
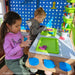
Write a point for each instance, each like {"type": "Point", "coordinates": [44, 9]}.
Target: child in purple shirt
{"type": "Point", "coordinates": [13, 43]}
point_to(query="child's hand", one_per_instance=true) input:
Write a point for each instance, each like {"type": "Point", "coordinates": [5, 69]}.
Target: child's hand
{"type": "Point", "coordinates": [26, 43]}
{"type": "Point", "coordinates": [28, 36]}
{"type": "Point", "coordinates": [45, 29]}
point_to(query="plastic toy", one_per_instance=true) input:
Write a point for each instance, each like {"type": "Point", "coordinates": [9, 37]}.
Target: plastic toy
{"type": "Point", "coordinates": [25, 38]}
{"type": "Point", "coordinates": [49, 29]}
{"type": "Point", "coordinates": [62, 38]}
{"type": "Point", "coordinates": [51, 32]}
{"type": "Point", "coordinates": [43, 47]}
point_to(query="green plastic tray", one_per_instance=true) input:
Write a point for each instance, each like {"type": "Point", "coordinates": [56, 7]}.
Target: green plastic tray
{"type": "Point", "coordinates": [69, 29]}
{"type": "Point", "coordinates": [67, 20]}
{"type": "Point", "coordinates": [70, 10]}
{"type": "Point", "coordinates": [51, 43]}
{"type": "Point", "coordinates": [46, 33]}
{"type": "Point", "coordinates": [71, 1]}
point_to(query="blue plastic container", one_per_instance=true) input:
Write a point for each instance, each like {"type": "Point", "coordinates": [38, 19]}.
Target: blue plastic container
{"type": "Point", "coordinates": [49, 63]}
{"type": "Point", "coordinates": [65, 66]}
{"type": "Point", "coordinates": [33, 61]}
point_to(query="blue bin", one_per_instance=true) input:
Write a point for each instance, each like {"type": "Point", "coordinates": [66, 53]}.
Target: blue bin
{"type": "Point", "coordinates": [65, 66]}
{"type": "Point", "coordinates": [33, 61]}
{"type": "Point", "coordinates": [49, 63]}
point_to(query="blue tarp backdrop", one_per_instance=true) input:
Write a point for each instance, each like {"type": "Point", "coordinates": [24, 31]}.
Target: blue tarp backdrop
{"type": "Point", "coordinates": [53, 8]}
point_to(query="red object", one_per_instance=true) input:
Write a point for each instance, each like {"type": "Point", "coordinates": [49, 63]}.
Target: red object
{"type": "Point", "coordinates": [65, 14]}
{"type": "Point", "coordinates": [66, 5]}
{"type": "Point", "coordinates": [63, 24]}
{"type": "Point", "coordinates": [68, 14]}
{"type": "Point", "coordinates": [62, 30]}
{"type": "Point", "coordinates": [62, 38]}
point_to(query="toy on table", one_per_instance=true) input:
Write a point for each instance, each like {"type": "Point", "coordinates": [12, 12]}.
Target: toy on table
{"type": "Point", "coordinates": [70, 5]}
{"type": "Point", "coordinates": [63, 24]}
{"type": "Point", "coordinates": [65, 14]}
{"type": "Point", "coordinates": [43, 47]}
{"type": "Point", "coordinates": [67, 6]}
{"type": "Point", "coordinates": [68, 16]}
{"type": "Point", "coordinates": [49, 32]}
{"type": "Point", "coordinates": [49, 63]}
{"type": "Point", "coordinates": [60, 34]}
{"type": "Point", "coordinates": [66, 25]}
{"type": "Point", "coordinates": [65, 66]}
{"type": "Point", "coordinates": [62, 38]}
{"type": "Point", "coordinates": [49, 29]}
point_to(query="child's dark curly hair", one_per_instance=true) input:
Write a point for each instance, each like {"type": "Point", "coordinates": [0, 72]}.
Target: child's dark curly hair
{"type": "Point", "coordinates": [9, 18]}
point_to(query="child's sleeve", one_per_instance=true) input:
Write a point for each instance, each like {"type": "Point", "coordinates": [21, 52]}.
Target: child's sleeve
{"type": "Point", "coordinates": [8, 48]}
{"type": "Point", "coordinates": [36, 30]}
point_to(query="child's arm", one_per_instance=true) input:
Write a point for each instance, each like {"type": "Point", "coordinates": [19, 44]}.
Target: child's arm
{"type": "Point", "coordinates": [36, 30]}
{"type": "Point", "coordinates": [8, 48]}
{"type": "Point", "coordinates": [28, 36]}
{"type": "Point", "coordinates": [26, 43]}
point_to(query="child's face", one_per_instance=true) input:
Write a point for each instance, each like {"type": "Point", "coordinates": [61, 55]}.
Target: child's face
{"type": "Point", "coordinates": [15, 28]}
{"type": "Point", "coordinates": [41, 18]}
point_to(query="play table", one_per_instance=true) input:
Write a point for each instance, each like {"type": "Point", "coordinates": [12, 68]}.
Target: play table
{"type": "Point", "coordinates": [66, 54]}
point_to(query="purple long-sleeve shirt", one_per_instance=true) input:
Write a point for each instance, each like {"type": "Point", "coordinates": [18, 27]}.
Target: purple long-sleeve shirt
{"type": "Point", "coordinates": [12, 46]}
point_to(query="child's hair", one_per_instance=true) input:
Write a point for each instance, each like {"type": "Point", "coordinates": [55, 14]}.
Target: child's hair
{"type": "Point", "coordinates": [39, 12]}
{"type": "Point", "coordinates": [9, 18]}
